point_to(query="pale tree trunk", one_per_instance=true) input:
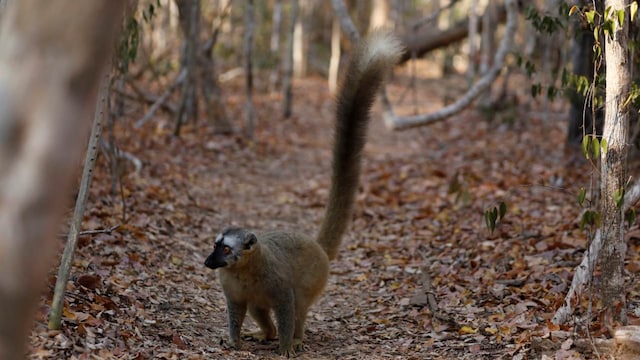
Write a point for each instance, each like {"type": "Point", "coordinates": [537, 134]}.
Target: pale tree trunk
{"type": "Point", "coordinates": [249, 26]}
{"type": "Point", "coordinates": [299, 43]}
{"type": "Point", "coordinates": [613, 167]}
{"type": "Point", "coordinates": [334, 62]}
{"type": "Point", "coordinates": [379, 14]}
{"type": "Point", "coordinates": [51, 56]}
{"type": "Point", "coordinates": [190, 24]}
{"type": "Point", "coordinates": [274, 44]}
{"type": "Point", "coordinates": [287, 64]}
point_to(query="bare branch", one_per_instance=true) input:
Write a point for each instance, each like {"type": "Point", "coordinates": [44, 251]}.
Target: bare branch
{"type": "Point", "coordinates": [407, 122]}
{"type": "Point", "coordinates": [161, 100]}
{"type": "Point", "coordinates": [345, 21]}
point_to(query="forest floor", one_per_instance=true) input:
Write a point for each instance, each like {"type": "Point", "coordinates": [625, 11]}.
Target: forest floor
{"type": "Point", "coordinates": [418, 231]}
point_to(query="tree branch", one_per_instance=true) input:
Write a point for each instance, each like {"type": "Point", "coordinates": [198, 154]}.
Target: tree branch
{"type": "Point", "coordinates": [407, 122]}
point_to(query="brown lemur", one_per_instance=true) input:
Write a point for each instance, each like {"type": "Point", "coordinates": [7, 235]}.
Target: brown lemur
{"type": "Point", "coordinates": [284, 271]}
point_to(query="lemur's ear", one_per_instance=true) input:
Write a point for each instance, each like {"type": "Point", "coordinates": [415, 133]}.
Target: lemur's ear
{"type": "Point", "coordinates": [249, 240]}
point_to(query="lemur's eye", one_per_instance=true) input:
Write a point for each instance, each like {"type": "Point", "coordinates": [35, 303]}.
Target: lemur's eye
{"type": "Point", "coordinates": [226, 250]}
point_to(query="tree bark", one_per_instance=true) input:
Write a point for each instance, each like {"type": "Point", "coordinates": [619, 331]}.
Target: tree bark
{"type": "Point", "coordinates": [51, 58]}
{"type": "Point", "coordinates": [274, 44]}
{"type": "Point", "coordinates": [379, 13]}
{"type": "Point", "coordinates": [249, 23]}
{"type": "Point", "coordinates": [299, 41]}
{"type": "Point", "coordinates": [190, 22]}
{"type": "Point", "coordinates": [334, 62]}
{"type": "Point", "coordinates": [211, 91]}
{"type": "Point", "coordinates": [613, 166]}
{"type": "Point", "coordinates": [287, 65]}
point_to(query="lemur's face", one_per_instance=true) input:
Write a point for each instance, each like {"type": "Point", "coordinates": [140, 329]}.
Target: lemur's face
{"type": "Point", "coordinates": [231, 246]}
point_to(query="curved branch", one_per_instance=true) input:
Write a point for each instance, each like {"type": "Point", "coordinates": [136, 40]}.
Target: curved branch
{"type": "Point", "coordinates": [345, 21]}
{"type": "Point", "coordinates": [406, 122]}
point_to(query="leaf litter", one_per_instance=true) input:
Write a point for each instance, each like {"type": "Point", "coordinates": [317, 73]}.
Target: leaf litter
{"type": "Point", "coordinates": [419, 275]}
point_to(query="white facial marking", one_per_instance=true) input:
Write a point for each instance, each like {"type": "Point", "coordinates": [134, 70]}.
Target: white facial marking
{"type": "Point", "coordinates": [232, 240]}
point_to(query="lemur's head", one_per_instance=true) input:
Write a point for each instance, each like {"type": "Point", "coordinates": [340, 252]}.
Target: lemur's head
{"type": "Point", "coordinates": [231, 248]}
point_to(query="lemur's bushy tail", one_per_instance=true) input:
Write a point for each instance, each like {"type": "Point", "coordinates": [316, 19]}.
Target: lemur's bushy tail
{"type": "Point", "coordinates": [373, 59]}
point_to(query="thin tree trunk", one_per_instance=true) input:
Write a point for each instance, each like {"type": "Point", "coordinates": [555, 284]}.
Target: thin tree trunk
{"type": "Point", "coordinates": [287, 65]}
{"type": "Point", "coordinates": [379, 14]}
{"type": "Point", "coordinates": [274, 44]}
{"type": "Point", "coordinates": [334, 62]}
{"type": "Point", "coordinates": [211, 91]}
{"type": "Point", "coordinates": [613, 167]}
{"type": "Point", "coordinates": [249, 23]}
{"type": "Point", "coordinates": [488, 48]}
{"type": "Point", "coordinates": [472, 41]}
{"type": "Point", "coordinates": [190, 23]}
{"type": "Point", "coordinates": [50, 65]}
{"type": "Point", "coordinates": [78, 213]}
{"type": "Point", "coordinates": [299, 43]}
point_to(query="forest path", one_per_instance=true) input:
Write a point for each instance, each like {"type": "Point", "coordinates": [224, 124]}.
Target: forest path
{"type": "Point", "coordinates": [143, 293]}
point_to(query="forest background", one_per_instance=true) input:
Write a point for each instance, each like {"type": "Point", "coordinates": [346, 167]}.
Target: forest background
{"type": "Point", "coordinates": [496, 212]}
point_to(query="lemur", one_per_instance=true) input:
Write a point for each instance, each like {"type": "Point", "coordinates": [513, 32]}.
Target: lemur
{"type": "Point", "coordinates": [285, 271]}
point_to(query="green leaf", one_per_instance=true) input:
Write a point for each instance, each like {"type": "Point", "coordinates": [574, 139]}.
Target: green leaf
{"type": "Point", "coordinates": [596, 32]}
{"type": "Point", "coordinates": [584, 220]}
{"type": "Point", "coordinates": [621, 17]}
{"type": "Point", "coordinates": [630, 216]}
{"type": "Point", "coordinates": [503, 210]}
{"type": "Point", "coordinates": [595, 144]}
{"type": "Point", "coordinates": [618, 197]}
{"type": "Point", "coordinates": [603, 146]}
{"type": "Point", "coordinates": [590, 16]}
{"type": "Point", "coordinates": [581, 196]}
{"type": "Point", "coordinates": [634, 10]}
{"type": "Point", "coordinates": [573, 9]}
{"type": "Point", "coordinates": [586, 141]}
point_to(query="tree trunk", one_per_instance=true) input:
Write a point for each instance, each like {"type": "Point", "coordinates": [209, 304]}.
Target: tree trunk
{"type": "Point", "coordinates": [613, 167]}
{"type": "Point", "coordinates": [299, 43]}
{"type": "Point", "coordinates": [51, 58]}
{"type": "Point", "coordinates": [211, 91]}
{"type": "Point", "coordinates": [274, 44]}
{"type": "Point", "coordinates": [190, 23]}
{"type": "Point", "coordinates": [472, 40]}
{"type": "Point", "coordinates": [249, 26]}
{"type": "Point", "coordinates": [379, 13]}
{"type": "Point", "coordinates": [334, 63]}
{"type": "Point", "coordinates": [287, 65]}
